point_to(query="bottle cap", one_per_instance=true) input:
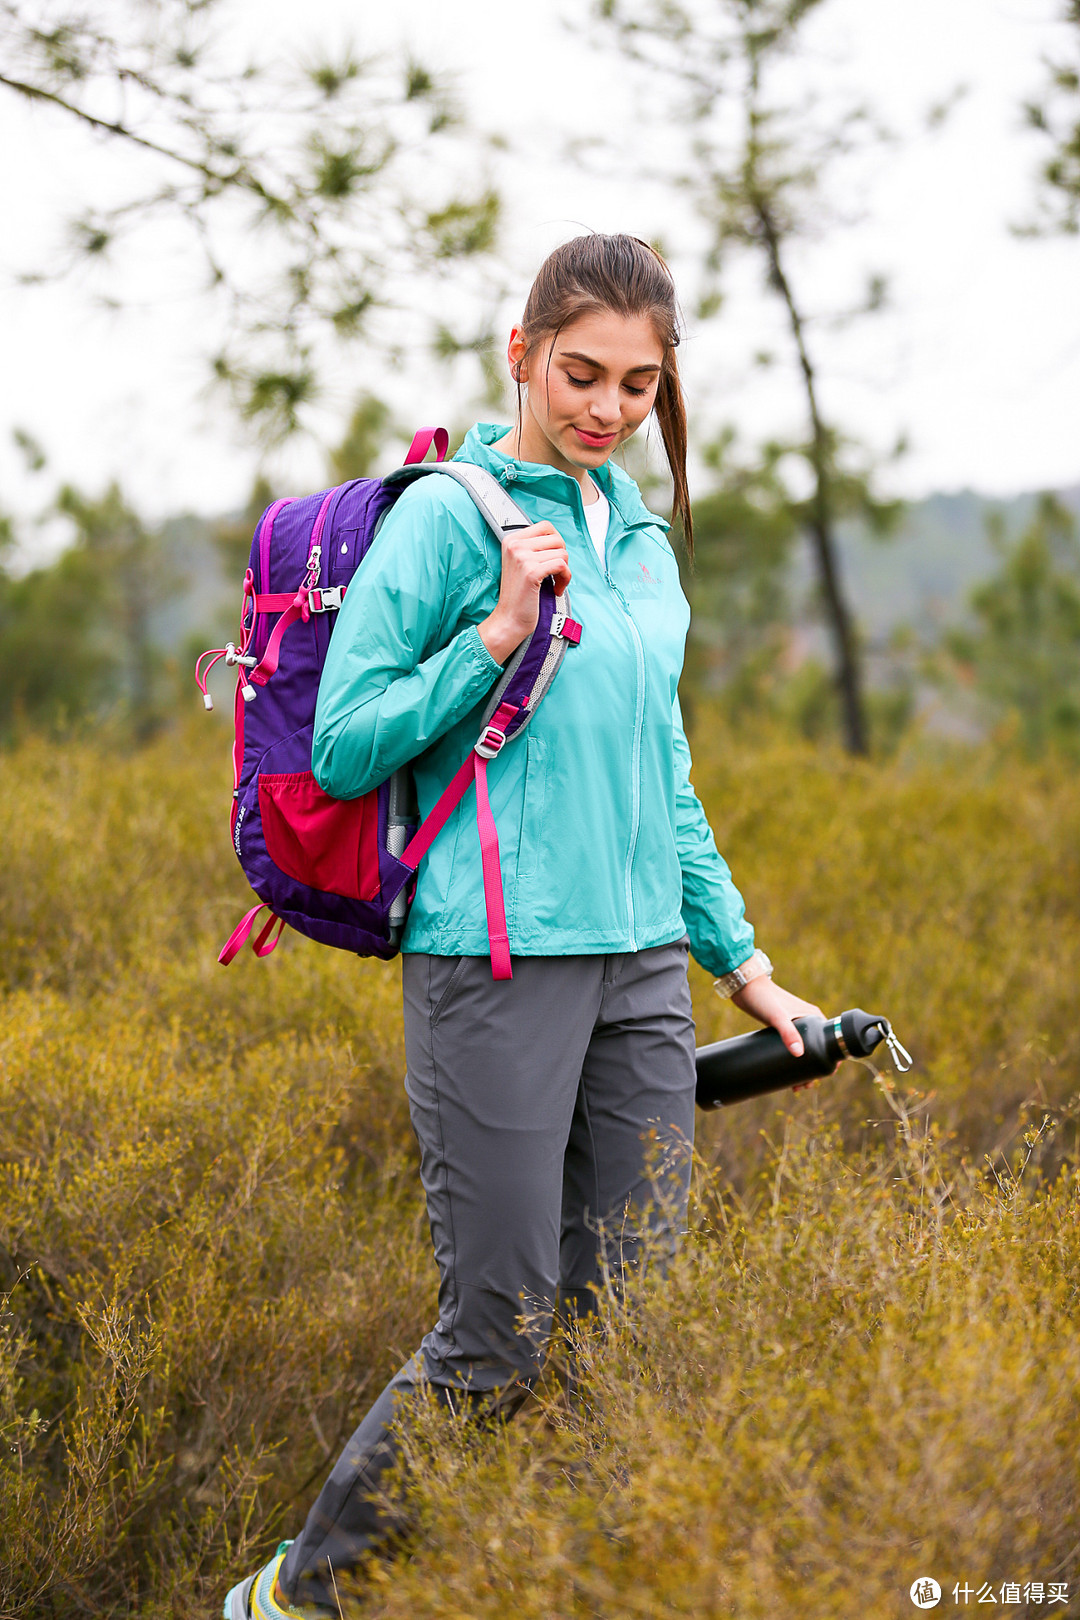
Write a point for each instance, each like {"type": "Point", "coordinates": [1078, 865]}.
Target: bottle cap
{"type": "Point", "coordinates": [858, 1032]}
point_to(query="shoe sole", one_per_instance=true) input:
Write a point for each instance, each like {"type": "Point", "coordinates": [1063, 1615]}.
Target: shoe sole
{"type": "Point", "coordinates": [236, 1603]}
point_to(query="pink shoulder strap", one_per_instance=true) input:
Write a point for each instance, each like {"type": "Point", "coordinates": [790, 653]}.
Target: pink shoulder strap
{"type": "Point", "coordinates": [475, 769]}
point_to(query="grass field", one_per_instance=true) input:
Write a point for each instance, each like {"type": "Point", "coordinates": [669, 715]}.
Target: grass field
{"type": "Point", "coordinates": [863, 1369]}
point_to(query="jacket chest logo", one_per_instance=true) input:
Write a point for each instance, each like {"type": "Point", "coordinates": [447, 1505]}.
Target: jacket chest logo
{"type": "Point", "coordinates": [643, 585]}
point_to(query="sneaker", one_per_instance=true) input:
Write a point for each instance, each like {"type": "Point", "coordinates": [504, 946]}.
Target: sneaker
{"type": "Point", "coordinates": [254, 1599]}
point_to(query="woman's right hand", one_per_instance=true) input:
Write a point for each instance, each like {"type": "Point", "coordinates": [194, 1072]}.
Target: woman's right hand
{"type": "Point", "coordinates": [528, 557]}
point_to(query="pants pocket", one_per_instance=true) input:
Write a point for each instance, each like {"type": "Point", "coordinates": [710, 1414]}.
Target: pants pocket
{"type": "Point", "coordinates": [445, 973]}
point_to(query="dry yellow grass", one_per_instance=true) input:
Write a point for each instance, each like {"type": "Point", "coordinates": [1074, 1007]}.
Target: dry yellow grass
{"type": "Point", "coordinates": [863, 1368]}
{"type": "Point", "coordinates": [852, 1379]}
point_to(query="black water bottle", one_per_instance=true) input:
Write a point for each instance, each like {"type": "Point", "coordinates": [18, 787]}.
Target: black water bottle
{"type": "Point", "coordinates": [751, 1065]}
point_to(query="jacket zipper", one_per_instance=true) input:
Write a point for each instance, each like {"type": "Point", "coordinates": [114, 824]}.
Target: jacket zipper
{"type": "Point", "coordinates": [639, 718]}
{"type": "Point", "coordinates": [635, 785]}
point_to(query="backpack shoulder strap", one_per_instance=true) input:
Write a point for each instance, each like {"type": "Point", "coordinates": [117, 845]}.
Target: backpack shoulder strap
{"type": "Point", "coordinates": [499, 512]}
{"type": "Point", "coordinates": [513, 703]}
{"type": "Point", "coordinates": [532, 668]}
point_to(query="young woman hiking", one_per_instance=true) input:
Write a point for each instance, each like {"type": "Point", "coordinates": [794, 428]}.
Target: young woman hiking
{"type": "Point", "coordinates": [532, 1098]}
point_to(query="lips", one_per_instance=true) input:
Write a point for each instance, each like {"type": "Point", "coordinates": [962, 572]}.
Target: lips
{"type": "Point", "coordinates": [595, 441]}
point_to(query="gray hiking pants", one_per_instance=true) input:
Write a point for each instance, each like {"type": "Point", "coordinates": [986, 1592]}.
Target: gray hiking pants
{"type": "Point", "coordinates": [533, 1100]}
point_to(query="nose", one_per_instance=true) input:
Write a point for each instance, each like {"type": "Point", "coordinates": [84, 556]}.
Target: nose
{"type": "Point", "coordinates": [605, 407]}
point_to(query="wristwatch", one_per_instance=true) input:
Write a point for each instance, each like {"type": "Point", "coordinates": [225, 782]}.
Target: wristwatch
{"type": "Point", "coordinates": [728, 984]}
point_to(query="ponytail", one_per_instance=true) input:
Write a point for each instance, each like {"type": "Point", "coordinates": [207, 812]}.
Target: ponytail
{"type": "Point", "coordinates": [670, 411]}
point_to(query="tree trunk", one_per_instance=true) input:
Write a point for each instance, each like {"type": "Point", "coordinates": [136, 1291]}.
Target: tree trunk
{"type": "Point", "coordinates": [137, 557]}
{"type": "Point", "coordinates": [848, 675]}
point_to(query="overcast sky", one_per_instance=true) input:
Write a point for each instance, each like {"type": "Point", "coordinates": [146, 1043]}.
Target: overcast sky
{"type": "Point", "coordinates": [978, 361]}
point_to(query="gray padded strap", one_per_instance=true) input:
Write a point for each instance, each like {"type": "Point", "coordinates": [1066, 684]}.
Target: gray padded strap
{"type": "Point", "coordinates": [501, 515]}
{"type": "Point", "coordinates": [548, 669]}
{"type": "Point", "coordinates": [491, 500]}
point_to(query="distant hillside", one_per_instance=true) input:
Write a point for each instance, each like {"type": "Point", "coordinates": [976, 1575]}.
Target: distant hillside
{"type": "Point", "coordinates": [200, 600]}
{"type": "Point", "coordinates": [921, 576]}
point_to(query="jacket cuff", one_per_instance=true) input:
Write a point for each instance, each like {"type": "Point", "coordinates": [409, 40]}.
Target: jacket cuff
{"type": "Point", "coordinates": [736, 954]}
{"type": "Point", "coordinates": [483, 659]}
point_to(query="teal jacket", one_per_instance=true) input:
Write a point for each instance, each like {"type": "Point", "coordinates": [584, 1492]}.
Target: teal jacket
{"type": "Point", "coordinates": [604, 843]}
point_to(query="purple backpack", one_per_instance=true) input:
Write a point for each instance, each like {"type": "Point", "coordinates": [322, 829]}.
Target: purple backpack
{"type": "Point", "coordinates": [342, 870]}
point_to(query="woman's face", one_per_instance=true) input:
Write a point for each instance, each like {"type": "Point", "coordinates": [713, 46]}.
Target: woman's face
{"type": "Point", "coordinates": [589, 390]}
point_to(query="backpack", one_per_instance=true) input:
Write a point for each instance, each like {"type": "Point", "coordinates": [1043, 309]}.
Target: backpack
{"type": "Point", "coordinates": [342, 871]}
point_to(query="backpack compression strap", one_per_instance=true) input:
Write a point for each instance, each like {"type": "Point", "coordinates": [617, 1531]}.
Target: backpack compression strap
{"type": "Point", "coordinates": [262, 944]}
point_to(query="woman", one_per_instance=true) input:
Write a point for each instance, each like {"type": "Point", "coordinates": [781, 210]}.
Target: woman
{"type": "Point", "coordinates": [533, 1098]}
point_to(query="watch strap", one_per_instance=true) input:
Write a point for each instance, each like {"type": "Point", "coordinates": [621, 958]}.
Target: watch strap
{"type": "Point", "coordinates": [755, 967]}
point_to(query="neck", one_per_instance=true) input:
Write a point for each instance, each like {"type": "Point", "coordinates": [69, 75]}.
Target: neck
{"type": "Point", "coordinates": [526, 442]}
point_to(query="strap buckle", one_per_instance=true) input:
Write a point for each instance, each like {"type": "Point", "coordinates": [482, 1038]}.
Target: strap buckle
{"type": "Point", "coordinates": [489, 742]}
{"type": "Point", "coordinates": [326, 600]}
{"type": "Point", "coordinates": [563, 625]}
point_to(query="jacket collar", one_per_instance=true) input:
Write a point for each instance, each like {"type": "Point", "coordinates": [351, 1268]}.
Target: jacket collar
{"type": "Point", "coordinates": [618, 486]}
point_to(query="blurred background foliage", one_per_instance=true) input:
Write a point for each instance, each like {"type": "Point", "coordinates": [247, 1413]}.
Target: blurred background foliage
{"type": "Point", "coordinates": [302, 192]}
{"type": "Point", "coordinates": [818, 601]}
{"type": "Point", "coordinates": [968, 621]}
{"type": "Point", "coordinates": [1019, 656]}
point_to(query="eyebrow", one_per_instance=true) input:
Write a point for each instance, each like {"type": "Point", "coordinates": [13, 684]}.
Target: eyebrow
{"type": "Point", "coordinates": [570, 354]}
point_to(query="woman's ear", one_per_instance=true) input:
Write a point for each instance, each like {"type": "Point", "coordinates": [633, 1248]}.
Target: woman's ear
{"type": "Point", "coordinates": [515, 354]}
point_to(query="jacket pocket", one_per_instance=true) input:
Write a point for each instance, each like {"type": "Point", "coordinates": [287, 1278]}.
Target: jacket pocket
{"type": "Point", "coordinates": [533, 804]}
{"type": "Point", "coordinates": [329, 844]}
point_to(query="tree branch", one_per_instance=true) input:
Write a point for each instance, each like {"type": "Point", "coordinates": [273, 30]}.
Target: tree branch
{"type": "Point", "coordinates": [238, 177]}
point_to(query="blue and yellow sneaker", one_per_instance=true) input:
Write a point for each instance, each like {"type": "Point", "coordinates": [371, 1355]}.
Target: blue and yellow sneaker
{"type": "Point", "coordinates": [257, 1598]}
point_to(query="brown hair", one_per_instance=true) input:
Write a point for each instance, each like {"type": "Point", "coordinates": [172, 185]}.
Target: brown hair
{"type": "Point", "coordinates": [623, 274]}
